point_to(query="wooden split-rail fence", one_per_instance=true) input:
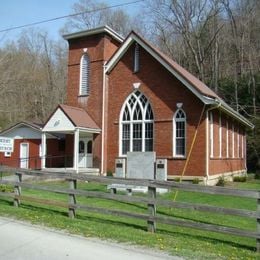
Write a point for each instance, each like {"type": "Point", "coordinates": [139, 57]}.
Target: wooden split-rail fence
{"type": "Point", "coordinates": [151, 200]}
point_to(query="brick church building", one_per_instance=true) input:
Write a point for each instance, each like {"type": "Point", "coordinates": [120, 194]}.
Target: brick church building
{"type": "Point", "coordinates": [124, 95]}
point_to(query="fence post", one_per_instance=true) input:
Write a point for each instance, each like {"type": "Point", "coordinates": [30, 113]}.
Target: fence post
{"type": "Point", "coordinates": [17, 189]}
{"type": "Point", "coordinates": [72, 198]}
{"type": "Point", "coordinates": [151, 210]}
{"type": "Point", "coordinates": [258, 225]}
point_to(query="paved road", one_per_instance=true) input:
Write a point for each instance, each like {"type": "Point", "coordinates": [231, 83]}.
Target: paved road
{"type": "Point", "coordinates": [19, 240]}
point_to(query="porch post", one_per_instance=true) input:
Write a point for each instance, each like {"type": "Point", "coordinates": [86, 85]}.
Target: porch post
{"type": "Point", "coordinates": [43, 155]}
{"type": "Point", "coordinates": [76, 150]}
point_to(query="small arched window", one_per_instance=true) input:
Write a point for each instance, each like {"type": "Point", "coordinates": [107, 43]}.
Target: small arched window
{"type": "Point", "coordinates": [81, 147]}
{"type": "Point", "coordinates": [89, 147]}
{"type": "Point", "coordinates": [136, 124]}
{"type": "Point", "coordinates": [179, 133]}
{"type": "Point", "coordinates": [84, 75]}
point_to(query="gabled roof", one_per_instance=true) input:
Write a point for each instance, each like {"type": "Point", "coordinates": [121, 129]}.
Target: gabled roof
{"type": "Point", "coordinates": [35, 126]}
{"type": "Point", "coordinates": [67, 118]}
{"type": "Point", "coordinates": [102, 29]}
{"type": "Point", "coordinates": [197, 87]}
{"type": "Point", "coordinates": [79, 117]}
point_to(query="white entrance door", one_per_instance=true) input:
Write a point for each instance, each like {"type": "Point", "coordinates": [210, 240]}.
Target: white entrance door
{"type": "Point", "coordinates": [24, 155]}
{"type": "Point", "coordinates": [85, 152]}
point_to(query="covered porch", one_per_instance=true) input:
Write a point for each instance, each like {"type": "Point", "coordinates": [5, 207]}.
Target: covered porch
{"type": "Point", "coordinates": [77, 132]}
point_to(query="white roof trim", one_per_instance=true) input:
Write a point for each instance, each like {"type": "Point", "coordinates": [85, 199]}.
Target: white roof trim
{"type": "Point", "coordinates": [94, 31]}
{"type": "Point", "coordinates": [89, 130]}
{"type": "Point", "coordinates": [205, 99]}
{"type": "Point", "coordinates": [81, 129]}
{"type": "Point", "coordinates": [25, 124]}
{"type": "Point", "coordinates": [19, 125]}
{"type": "Point", "coordinates": [226, 108]}
{"type": "Point", "coordinates": [111, 64]}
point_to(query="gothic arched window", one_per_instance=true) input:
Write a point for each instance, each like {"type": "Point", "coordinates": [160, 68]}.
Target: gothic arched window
{"type": "Point", "coordinates": [179, 129]}
{"type": "Point", "coordinates": [136, 124]}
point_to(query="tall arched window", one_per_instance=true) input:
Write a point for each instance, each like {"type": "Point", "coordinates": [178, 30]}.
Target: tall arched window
{"type": "Point", "coordinates": [136, 124]}
{"type": "Point", "coordinates": [136, 58]}
{"type": "Point", "coordinates": [84, 75]}
{"type": "Point", "coordinates": [179, 133]}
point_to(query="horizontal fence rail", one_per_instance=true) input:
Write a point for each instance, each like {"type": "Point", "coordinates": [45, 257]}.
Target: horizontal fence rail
{"type": "Point", "coordinates": [150, 202]}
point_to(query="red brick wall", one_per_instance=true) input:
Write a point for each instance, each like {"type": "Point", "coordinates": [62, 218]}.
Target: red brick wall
{"type": "Point", "coordinates": [219, 165]}
{"type": "Point", "coordinates": [14, 160]}
{"type": "Point", "coordinates": [163, 91]}
{"type": "Point", "coordinates": [99, 49]}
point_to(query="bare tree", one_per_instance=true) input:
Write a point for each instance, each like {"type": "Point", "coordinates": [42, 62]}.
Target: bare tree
{"type": "Point", "coordinates": [186, 23]}
{"type": "Point", "coordinates": [33, 76]}
{"type": "Point", "coordinates": [94, 14]}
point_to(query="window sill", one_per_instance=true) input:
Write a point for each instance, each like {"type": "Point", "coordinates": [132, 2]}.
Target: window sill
{"type": "Point", "coordinates": [83, 95]}
{"type": "Point", "coordinates": [179, 157]}
{"type": "Point", "coordinates": [226, 158]}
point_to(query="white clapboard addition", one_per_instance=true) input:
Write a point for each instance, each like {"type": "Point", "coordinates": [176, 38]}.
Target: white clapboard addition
{"type": "Point", "coordinates": [58, 122]}
{"type": "Point", "coordinates": [6, 144]}
{"type": "Point", "coordinates": [24, 132]}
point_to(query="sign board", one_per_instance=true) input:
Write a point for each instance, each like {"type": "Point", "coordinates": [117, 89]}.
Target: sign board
{"type": "Point", "coordinates": [6, 144]}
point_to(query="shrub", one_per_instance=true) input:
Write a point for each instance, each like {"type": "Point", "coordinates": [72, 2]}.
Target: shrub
{"type": "Point", "coordinates": [109, 173]}
{"type": "Point", "coordinates": [257, 175]}
{"type": "Point", "coordinates": [177, 180]}
{"type": "Point", "coordinates": [240, 179]}
{"type": "Point", "coordinates": [196, 181]}
{"type": "Point", "coordinates": [5, 188]}
{"type": "Point", "coordinates": [221, 181]}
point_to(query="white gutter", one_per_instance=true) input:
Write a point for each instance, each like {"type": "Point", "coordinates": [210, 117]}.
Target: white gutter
{"type": "Point", "coordinates": [235, 114]}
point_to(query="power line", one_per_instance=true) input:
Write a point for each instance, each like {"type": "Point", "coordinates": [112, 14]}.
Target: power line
{"type": "Point", "coordinates": [70, 15]}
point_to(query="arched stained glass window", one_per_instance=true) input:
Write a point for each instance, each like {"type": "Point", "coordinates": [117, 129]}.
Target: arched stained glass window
{"type": "Point", "coordinates": [136, 124]}
{"type": "Point", "coordinates": [84, 75]}
{"type": "Point", "coordinates": [179, 133]}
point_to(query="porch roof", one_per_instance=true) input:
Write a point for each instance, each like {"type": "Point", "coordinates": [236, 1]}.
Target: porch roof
{"type": "Point", "coordinates": [67, 118]}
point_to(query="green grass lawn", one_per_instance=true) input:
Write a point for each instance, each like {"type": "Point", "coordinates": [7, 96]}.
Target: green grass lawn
{"type": "Point", "coordinates": [186, 242]}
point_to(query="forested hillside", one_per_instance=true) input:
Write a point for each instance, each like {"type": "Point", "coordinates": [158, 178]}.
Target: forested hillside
{"type": "Point", "coordinates": [217, 40]}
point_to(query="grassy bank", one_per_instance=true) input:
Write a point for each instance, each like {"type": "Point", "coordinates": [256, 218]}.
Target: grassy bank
{"type": "Point", "coordinates": [189, 243]}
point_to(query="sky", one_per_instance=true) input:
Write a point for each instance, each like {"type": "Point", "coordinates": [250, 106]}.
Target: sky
{"type": "Point", "coordinates": [20, 12]}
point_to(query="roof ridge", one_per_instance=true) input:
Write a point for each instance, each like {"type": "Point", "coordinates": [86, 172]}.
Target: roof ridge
{"type": "Point", "coordinates": [72, 107]}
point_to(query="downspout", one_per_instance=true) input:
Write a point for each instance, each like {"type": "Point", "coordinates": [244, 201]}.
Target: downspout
{"type": "Point", "coordinates": [103, 119]}
{"type": "Point", "coordinates": [207, 137]}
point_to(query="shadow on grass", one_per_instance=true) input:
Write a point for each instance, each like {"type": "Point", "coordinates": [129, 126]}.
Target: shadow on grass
{"type": "Point", "coordinates": [82, 217]}
{"type": "Point", "coordinates": [184, 233]}
{"type": "Point", "coordinates": [205, 238]}
{"type": "Point", "coordinates": [111, 222]}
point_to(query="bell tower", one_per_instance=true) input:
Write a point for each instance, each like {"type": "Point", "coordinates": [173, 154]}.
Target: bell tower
{"type": "Point", "coordinates": [88, 52]}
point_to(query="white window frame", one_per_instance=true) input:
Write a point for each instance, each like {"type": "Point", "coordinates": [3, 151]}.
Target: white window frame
{"type": "Point", "coordinates": [211, 135]}
{"type": "Point", "coordinates": [84, 71]}
{"type": "Point", "coordinates": [175, 120]}
{"type": "Point", "coordinates": [8, 154]}
{"type": "Point", "coordinates": [238, 144]}
{"type": "Point", "coordinates": [233, 141]}
{"type": "Point", "coordinates": [227, 137]}
{"type": "Point", "coordinates": [40, 150]}
{"type": "Point", "coordinates": [220, 136]}
{"type": "Point", "coordinates": [242, 145]}
{"type": "Point", "coordinates": [131, 122]}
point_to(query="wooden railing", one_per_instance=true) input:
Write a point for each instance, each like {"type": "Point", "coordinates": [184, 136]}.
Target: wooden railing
{"type": "Point", "coordinates": [151, 200]}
